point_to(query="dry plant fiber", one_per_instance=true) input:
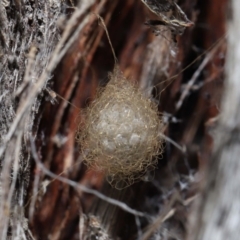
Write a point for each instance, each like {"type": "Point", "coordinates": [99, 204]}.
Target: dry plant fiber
{"type": "Point", "coordinates": [120, 135]}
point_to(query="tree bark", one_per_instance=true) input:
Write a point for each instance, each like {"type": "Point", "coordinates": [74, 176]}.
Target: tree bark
{"type": "Point", "coordinates": [54, 56]}
{"type": "Point", "coordinates": [219, 213]}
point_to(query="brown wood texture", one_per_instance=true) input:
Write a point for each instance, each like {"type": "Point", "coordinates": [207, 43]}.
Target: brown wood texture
{"type": "Point", "coordinates": [217, 217]}
{"type": "Point", "coordinates": [189, 105]}
{"type": "Point", "coordinates": [86, 66]}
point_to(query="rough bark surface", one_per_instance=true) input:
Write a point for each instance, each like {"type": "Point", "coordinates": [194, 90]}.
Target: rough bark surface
{"type": "Point", "coordinates": [53, 57]}
{"type": "Point", "coordinates": [219, 210]}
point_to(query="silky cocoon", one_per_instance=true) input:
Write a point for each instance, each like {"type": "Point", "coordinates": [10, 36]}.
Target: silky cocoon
{"type": "Point", "coordinates": [120, 134]}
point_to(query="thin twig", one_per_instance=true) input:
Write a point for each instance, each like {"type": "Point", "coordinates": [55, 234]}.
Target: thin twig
{"type": "Point", "coordinates": [190, 83]}
{"type": "Point", "coordinates": [181, 148]}
{"type": "Point", "coordinates": [83, 188]}
{"type": "Point", "coordinates": [168, 212]}
{"type": "Point", "coordinates": [172, 78]}
{"type": "Point", "coordinates": [161, 218]}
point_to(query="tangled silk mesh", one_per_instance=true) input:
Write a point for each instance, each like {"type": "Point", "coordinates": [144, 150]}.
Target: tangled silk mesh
{"type": "Point", "coordinates": [120, 136]}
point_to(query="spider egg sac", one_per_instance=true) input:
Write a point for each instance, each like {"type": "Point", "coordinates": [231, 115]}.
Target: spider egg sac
{"type": "Point", "coordinates": [120, 135]}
